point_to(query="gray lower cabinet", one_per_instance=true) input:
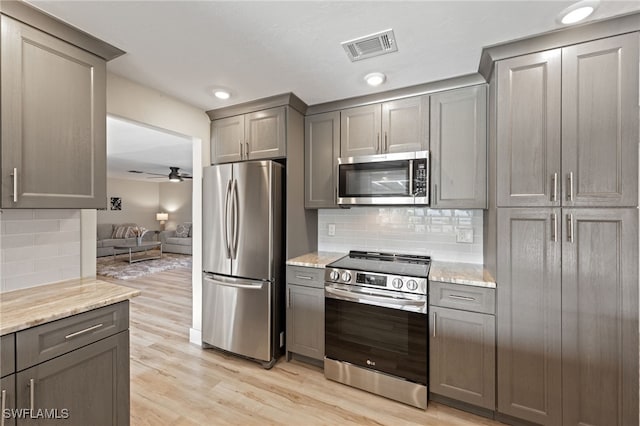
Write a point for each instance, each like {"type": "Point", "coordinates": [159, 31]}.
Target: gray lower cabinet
{"type": "Point", "coordinates": [7, 399]}
{"type": "Point", "coordinates": [53, 110]}
{"type": "Point", "coordinates": [459, 148]}
{"type": "Point", "coordinates": [321, 151]}
{"type": "Point", "coordinates": [462, 343]}
{"type": "Point", "coordinates": [584, 95]}
{"type": "Point", "coordinates": [305, 312]}
{"type": "Point", "coordinates": [568, 315]}
{"type": "Point", "coordinates": [255, 136]}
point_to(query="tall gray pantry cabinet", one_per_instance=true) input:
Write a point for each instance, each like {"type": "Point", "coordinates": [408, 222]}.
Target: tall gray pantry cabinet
{"type": "Point", "coordinates": [565, 146]}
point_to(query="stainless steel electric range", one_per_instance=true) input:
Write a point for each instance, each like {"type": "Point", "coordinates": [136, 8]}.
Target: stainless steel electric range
{"type": "Point", "coordinates": [376, 332]}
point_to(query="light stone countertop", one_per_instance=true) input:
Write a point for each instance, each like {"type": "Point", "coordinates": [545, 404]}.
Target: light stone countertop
{"type": "Point", "coordinates": [317, 259]}
{"type": "Point", "coordinates": [21, 309]}
{"type": "Point", "coordinates": [461, 273]}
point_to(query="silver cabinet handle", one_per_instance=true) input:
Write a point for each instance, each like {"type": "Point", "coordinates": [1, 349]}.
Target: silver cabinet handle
{"type": "Point", "coordinates": [304, 277]}
{"type": "Point", "coordinates": [455, 296]}
{"type": "Point", "coordinates": [15, 184]}
{"type": "Point", "coordinates": [554, 189]}
{"type": "Point", "coordinates": [386, 145]}
{"type": "Point", "coordinates": [4, 406]}
{"type": "Point", "coordinates": [378, 144]}
{"type": "Point", "coordinates": [289, 298]}
{"type": "Point", "coordinates": [554, 227]}
{"type": "Point", "coordinates": [434, 200]}
{"type": "Point", "coordinates": [570, 227]}
{"type": "Point", "coordinates": [246, 151]}
{"type": "Point", "coordinates": [570, 186]}
{"type": "Point", "coordinates": [435, 324]}
{"type": "Point", "coordinates": [241, 154]}
{"type": "Point", "coordinates": [32, 394]}
{"type": "Point", "coordinates": [86, 330]}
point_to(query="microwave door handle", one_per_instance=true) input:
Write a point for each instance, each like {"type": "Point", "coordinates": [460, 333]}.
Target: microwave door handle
{"type": "Point", "coordinates": [356, 296]}
{"type": "Point", "coordinates": [411, 192]}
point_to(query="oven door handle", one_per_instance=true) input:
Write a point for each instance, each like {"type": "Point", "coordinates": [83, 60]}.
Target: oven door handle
{"type": "Point", "coordinates": [358, 296]}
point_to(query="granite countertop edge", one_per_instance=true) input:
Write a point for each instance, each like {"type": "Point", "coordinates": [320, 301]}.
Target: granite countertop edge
{"type": "Point", "coordinates": [30, 307]}
{"type": "Point", "coordinates": [470, 274]}
{"type": "Point", "coordinates": [316, 259]}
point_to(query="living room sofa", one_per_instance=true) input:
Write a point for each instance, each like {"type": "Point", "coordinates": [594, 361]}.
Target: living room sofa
{"type": "Point", "coordinates": [178, 240]}
{"type": "Point", "coordinates": [106, 242]}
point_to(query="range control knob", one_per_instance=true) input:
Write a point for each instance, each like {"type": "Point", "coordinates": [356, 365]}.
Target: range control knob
{"type": "Point", "coordinates": [412, 285]}
{"type": "Point", "coordinates": [397, 283]}
{"type": "Point", "coordinates": [334, 275]}
{"type": "Point", "coordinates": [346, 277]}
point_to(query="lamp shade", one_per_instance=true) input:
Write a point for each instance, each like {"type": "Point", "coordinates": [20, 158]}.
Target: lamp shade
{"type": "Point", "coordinates": [162, 216]}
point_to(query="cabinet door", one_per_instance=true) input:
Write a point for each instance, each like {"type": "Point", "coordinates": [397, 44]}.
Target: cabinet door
{"type": "Point", "coordinates": [227, 139]}
{"type": "Point", "coordinates": [405, 125]}
{"type": "Point", "coordinates": [8, 398]}
{"type": "Point", "coordinates": [462, 356]}
{"type": "Point", "coordinates": [528, 130]}
{"type": "Point", "coordinates": [528, 315]}
{"type": "Point", "coordinates": [92, 383]}
{"type": "Point", "coordinates": [265, 134]}
{"type": "Point", "coordinates": [600, 317]}
{"type": "Point", "coordinates": [459, 148]}
{"type": "Point", "coordinates": [321, 151]}
{"type": "Point", "coordinates": [600, 122]}
{"type": "Point", "coordinates": [53, 116]}
{"type": "Point", "coordinates": [360, 131]}
{"type": "Point", "coordinates": [305, 321]}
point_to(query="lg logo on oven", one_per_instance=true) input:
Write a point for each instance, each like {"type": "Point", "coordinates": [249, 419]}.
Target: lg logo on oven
{"type": "Point", "coordinates": [371, 363]}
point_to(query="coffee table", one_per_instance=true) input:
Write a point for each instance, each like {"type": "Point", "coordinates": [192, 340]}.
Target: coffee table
{"type": "Point", "coordinates": [137, 248]}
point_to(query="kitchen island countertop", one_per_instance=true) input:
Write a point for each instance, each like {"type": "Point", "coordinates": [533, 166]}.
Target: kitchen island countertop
{"type": "Point", "coordinates": [25, 308]}
{"type": "Point", "coordinates": [461, 273]}
{"type": "Point", "coordinates": [316, 259]}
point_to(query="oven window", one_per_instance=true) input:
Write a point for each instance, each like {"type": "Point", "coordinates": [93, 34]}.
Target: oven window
{"type": "Point", "coordinates": [389, 340]}
{"type": "Point", "coordinates": [384, 179]}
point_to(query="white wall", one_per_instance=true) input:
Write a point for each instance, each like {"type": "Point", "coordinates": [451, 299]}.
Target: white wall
{"type": "Point", "coordinates": [38, 247]}
{"type": "Point", "coordinates": [175, 199]}
{"type": "Point", "coordinates": [403, 230]}
{"type": "Point", "coordinates": [135, 102]}
{"type": "Point", "coordinates": [140, 203]}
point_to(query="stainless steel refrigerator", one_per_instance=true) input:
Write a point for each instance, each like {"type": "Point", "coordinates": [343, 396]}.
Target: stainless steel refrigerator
{"type": "Point", "coordinates": [242, 290]}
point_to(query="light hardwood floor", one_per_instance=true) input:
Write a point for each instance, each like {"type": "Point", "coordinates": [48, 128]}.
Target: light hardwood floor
{"type": "Point", "coordinates": [174, 382]}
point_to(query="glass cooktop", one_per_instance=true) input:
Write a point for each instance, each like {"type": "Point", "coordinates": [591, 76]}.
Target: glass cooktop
{"type": "Point", "coordinates": [386, 263]}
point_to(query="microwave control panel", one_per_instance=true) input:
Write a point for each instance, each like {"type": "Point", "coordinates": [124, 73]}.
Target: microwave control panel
{"type": "Point", "coordinates": [420, 180]}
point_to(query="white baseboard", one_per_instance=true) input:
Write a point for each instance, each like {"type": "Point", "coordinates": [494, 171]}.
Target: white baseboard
{"type": "Point", "coordinates": [195, 336]}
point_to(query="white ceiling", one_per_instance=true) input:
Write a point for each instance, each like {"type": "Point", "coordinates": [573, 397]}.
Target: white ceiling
{"type": "Point", "coordinates": [263, 48]}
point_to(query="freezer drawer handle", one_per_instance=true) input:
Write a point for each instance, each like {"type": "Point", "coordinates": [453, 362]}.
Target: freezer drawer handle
{"type": "Point", "coordinates": [235, 285]}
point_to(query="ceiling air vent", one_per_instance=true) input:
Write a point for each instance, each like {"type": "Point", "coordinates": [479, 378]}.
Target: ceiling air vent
{"type": "Point", "coordinates": [369, 46]}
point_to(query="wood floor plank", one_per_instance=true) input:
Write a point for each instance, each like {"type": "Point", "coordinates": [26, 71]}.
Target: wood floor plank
{"type": "Point", "coordinates": [174, 382]}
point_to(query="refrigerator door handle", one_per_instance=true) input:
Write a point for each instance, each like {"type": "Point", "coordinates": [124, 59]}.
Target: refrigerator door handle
{"type": "Point", "coordinates": [236, 218]}
{"type": "Point", "coordinates": [226, 220]}
{"type": "Point", "coordinates": [234, 282]}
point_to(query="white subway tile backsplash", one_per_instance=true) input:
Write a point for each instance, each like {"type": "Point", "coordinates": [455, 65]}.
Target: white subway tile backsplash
{"type": "Point", "coordinates": [404, 230]}
{"type": "Point", "coordinates": [38, 247]}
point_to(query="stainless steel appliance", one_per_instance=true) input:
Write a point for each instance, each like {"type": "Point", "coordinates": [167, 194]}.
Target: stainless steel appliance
{"type": "Point", "coordinates": [242, 290]}
{"type": "Point", "coordinates": [376, 332]}
{"type": "Point", "coordinates": [400, 179]}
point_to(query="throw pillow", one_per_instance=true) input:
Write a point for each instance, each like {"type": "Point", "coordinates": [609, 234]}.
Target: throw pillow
{"type": "Point", "coordinates": [190, 228]}
{"type": "Point", "coordinates": [123, 231]}
{"type": "Point", "coordinates": [182, 230]}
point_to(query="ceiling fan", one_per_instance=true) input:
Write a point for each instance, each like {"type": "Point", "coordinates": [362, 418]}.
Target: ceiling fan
{"type": "Point", "coordinates": [174, 175]}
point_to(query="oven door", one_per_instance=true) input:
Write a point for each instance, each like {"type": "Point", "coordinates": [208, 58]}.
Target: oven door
{"type": "Point", "coordinates": [378, 330]}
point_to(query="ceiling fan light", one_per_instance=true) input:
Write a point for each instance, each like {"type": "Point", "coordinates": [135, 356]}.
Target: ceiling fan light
{"type": "Point", "coordinates": [174, 175]}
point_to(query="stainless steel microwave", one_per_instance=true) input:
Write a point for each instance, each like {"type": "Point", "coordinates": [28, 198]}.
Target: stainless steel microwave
{"type": "Point", "coordinates": [385, 179]}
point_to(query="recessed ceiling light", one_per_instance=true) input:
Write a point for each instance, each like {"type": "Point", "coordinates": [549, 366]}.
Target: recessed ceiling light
{"type": "Point", "coordinates": [577, 11]}
{"type": "Point", "coordinates": [375, 78]}
{"type": "Point", "coordinates": [221, 94]}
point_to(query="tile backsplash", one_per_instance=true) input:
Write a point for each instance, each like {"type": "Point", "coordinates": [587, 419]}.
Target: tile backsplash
{"type": "Point", "coordinates": [406, 230]}
{"type": "Point", "coordinates": [38, 247]}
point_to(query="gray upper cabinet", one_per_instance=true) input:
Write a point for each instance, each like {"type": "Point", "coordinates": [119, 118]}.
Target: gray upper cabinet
{"type": "Point", "coordinates": [395, 126]}
{"type": "Point", "coordinates": [600, 122]}
{"type": "Point", "coordinates": [596, 117]}
{"type": "Point", "coordinates": [529, 314]}
{"type": "Point", "coordinates": [600, 317]}
{"type": "Point", "coordinates": [255, 136]}
{"type": "Point", "coordinates": [321, 150]}
{"type": "Point", "coordinates": [265, 133]}
{"type": "Point", "coordinates": [53, 103]}
{"type": "Point", "coordinates": [528, 130]}
{"type": "Point", "coordinates": [227, 139]}
{"type": "Point", "coordinates": [459, 148]}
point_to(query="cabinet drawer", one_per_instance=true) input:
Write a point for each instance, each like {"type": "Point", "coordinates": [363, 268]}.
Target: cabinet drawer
{"type": "Point", "coordinates": [459, 296]}
{"type": "Point", "coordinates": [7, 354]}
{"type": "Point", "coordinates": [308, 277]}
{"type": "Point", "coordinates": [55, 338]}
